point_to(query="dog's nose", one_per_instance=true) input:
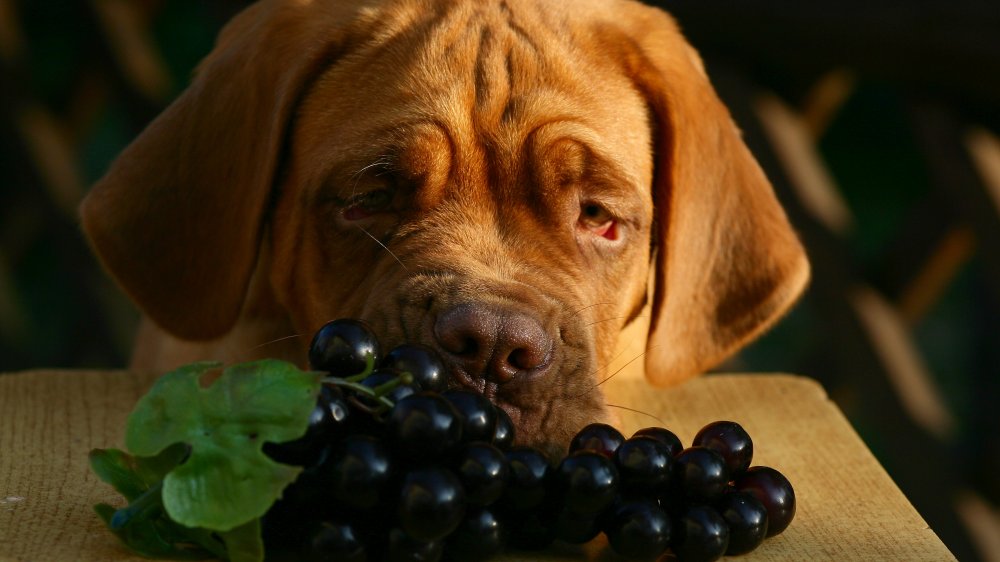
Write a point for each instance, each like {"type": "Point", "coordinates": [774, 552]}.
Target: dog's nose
{"type": "Point", "coordinates": [492, 343]}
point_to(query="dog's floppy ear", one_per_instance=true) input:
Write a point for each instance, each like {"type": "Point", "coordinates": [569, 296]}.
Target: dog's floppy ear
{"type": "Point", "coordinates": [728, 263]}
{"type": "Point", "coordinates": [178, 217]}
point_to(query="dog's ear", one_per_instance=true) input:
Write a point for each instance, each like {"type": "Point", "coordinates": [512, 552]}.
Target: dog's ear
{"type": "Point", "coordinates": [728, 264]}
{"type": "Point", "coordinates": [178, 217]}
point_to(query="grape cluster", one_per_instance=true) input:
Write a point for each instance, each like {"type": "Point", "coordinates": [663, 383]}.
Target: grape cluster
{"type": "Point", "coordinates": [397, 467]}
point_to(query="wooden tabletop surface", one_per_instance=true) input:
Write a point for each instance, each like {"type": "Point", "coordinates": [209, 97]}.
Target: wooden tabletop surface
{"type": "Point", "coordinates": [848, 508]}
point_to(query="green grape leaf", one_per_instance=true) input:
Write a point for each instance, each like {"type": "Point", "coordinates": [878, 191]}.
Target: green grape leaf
{"type": "Point", "coordinates": [132, 476]}
{"type": "Point", "coordinates": [227, 480]}
{"type": "Point", "coordinates": [155, 538]}
{"type": "Point", "coordinates": [143, 526]}
{"type": "Point", "coordinates": [244, 543]}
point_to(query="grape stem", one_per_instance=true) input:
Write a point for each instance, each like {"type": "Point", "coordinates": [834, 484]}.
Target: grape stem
{"type": "Point", "coordinates": [386, 387]}
{"type": "Point", "coordinates": [369, 369]}
{"type": "Point", "coordinates": [353, 383]}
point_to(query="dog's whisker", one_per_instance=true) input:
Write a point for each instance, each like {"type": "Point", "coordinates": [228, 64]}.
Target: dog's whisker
{"type": "Point", "coordinates": [601, 368]}
{"type": "Point", "coordinates": [591, 306]}
{"type": "Point", "coordinates": [620, 369]}
{"type": "Point", "coordinates": [612, 318]}
{"type": "Point", "coordinates": [384, 247]}
{"type": "Point", "coordinates": [383, 162]}
{"type": "Point", "coordinates": [283, 338]}
{"type": "Point", "coordinates": [608, 364]}
{"type": "Point", "coordinates": [640, 412]}
{"type": "Point", "coordinates": [248, 351]}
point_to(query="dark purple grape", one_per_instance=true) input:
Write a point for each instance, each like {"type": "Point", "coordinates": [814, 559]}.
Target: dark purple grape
{"type": "Point", "coordinates": [746, 519]}
{"type": "Point", "coordinates": [336, 541]}
{"type": "Point", "coordinates": [431, 503]}
{"type": "Point", "coordinates": [344, 348]}
{"type": "Point", "coordinates": [585, 482]}
{"type": "Point", "coordinates": [289, 524]}
{"type": "Point", "coordinates": [404, 548]}
{"type": "Point", "coordinates": [480, 536]}
{"type": "Point", "coordinates": [664, 436]}
{"type": "Point", "coordinates": [479, 417]}
{"type": "Point", "coordinates": [638, 529]}
{"type": "Point", "coordinates": [773, 491]}
{"type": "Point", "coordinates": [730, 440]}
{"type": "Point", "coordinates": [326, 419]}
{"type": "Point", "coordinates": [503, 433]}
{"type": "Point", "coordinates": [423, 426]}
{"type": "Point", "coordinates": [400, 392]}
{"type": "Point", "coordinates": [357, 471]}
{"type": "Point", "coordinates": [338, 407]}
{"type": "Point", "coordinates": [530, 530]}
{"type": "Point", "coordinates": [366, 422]}
{"type": "Point", "coordinates": [482, 469]}
{"type": "Point", "coordinates": [700, 475]}
{"type": "Point", "coordinates": [307, 493]}
{"type": "Point", "coordinates": [700, 535]}
{"type": "Point", "coordinates": [528, 475]}
{"type": "Point", "coordinates": [599, 437]}
{"type": "Point", "coordinates": [645, 465]}
{"type": "Point", "coordinates": [422, 362]}
{"type": "Point", "coordinates": [575, 528]}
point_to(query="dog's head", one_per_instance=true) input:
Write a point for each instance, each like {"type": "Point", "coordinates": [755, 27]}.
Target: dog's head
{"type": "Point", "coordinates": [496, 179]}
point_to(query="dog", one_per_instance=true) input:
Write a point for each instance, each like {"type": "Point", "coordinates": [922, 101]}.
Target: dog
{"type": "Point", "coordinates": [511, 182]}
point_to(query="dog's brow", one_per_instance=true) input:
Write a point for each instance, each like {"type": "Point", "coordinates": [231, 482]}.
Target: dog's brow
{"type": "Point", "coordinates": [601, 168]}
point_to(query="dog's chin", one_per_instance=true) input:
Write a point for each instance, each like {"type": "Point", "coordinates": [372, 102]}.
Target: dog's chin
{"type": "Point", "coordinates": [548, 409]}
{"type": "Point", "coordinates": [549, 418]}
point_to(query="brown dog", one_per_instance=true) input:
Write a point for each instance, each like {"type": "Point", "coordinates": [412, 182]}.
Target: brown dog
{"type": "Point", "coordinates": [498, 179]}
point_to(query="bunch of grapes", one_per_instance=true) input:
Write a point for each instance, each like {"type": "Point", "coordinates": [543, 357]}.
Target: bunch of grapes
{"type": "Point", "coordinates": [397, 467]}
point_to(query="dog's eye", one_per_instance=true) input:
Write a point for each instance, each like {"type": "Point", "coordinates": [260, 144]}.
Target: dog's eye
{"type": "Point", "coordinates": [598, 220]}
{"type": "Point", "coordinates": [367, 204]}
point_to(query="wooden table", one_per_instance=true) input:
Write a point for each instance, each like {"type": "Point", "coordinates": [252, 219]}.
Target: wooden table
{"type": "Point", "coordinates": [848, 507]}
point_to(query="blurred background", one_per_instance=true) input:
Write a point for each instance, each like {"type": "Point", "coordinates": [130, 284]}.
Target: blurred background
{"type": "Point", "coordinates": [878, 123]}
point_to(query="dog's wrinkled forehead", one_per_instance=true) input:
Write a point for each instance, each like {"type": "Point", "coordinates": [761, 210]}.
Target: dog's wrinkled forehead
{"type": "Point", "coordinates": [524, 81]}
